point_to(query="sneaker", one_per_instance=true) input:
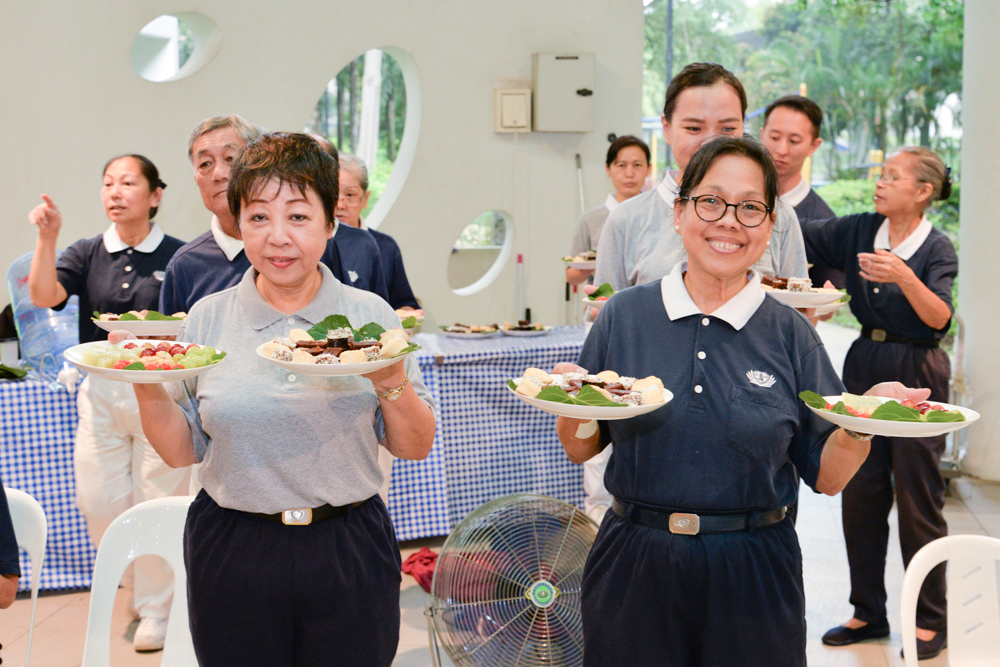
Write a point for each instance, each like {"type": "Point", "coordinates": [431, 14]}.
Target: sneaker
{"type": "Point", "coordinates": [150, 634]}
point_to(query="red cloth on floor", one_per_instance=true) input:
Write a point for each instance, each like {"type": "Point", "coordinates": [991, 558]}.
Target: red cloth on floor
{"type": "Point", "coordinates": [420, 566]}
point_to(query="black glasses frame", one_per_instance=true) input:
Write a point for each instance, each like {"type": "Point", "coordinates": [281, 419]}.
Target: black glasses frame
{"type": "Point", "coordinates": [726, 205]}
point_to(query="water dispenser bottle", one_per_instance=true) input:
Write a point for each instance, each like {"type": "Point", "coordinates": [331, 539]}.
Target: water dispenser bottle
{"type": "Point", "coordinates": [41, 330]}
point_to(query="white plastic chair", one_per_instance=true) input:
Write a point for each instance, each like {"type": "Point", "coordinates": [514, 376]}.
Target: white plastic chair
{"type": "Point", "coordinates": [973, 609]}
{"type": "Point", "coordinates": [31, 530]}
{"type": "Point", "coordinates": [155, 527]}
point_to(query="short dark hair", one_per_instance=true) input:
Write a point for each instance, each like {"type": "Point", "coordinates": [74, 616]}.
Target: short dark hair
{"type": "Point", "coordinates": [624, 142]}
{"type": "Point", "coordinates": [294, 159]}
{"type": "Point", "coordinates": [719, 147]}
{"type": "Point", "coordinates": [149, 172]}
{"type": "Point", "coordinates": [803, 105]}
{"type": "Point", "coordinates": [697, 75]}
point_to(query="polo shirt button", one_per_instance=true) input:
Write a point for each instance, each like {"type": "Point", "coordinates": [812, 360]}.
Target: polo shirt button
{"type": "Point", "coordinates": [704, 321]}
{"type": "Point", "coordinates": [129, 251]}
{"type": "Point", "coordinates": [875, 290]}
{"type": "Point", "coordinates": [291, 377]}
{"type": "Point", "coordinates": [124, 285]}
{"type": "Point", "coordinates": [291, 320]}
{"type": "Point", "coordinates": [698, 389]}
{"type": "Point", "coordinates": [127, 269]}
{"type": "Point", "coordinates": [701, 355]}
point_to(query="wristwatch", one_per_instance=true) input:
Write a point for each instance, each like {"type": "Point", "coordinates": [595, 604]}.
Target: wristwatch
{"type": "Point", "coordinates": [394, 394]}
{"type": "Point", "coordinates": [859, 436]}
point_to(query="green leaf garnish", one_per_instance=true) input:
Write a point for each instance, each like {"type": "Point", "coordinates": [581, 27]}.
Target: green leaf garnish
{"type": "Point", "coordinates": [554, 394]}
{"type": "Point", "coordinates": [128, 317]}
{"type": "Point", "coordinates": [845, 298]}
{"type": "Point", "coordinates": [411, 347]}
{"type": "Point", "coordinates": [893, 411]}
{"type": "Point", "coordinates": [134, 366]}
{"type": "Point", "coordinates": [587, 396]}
{"type": "Point", "coordinates": [97, 315]}
{"type": "Point", "coordinates": [370, 331]}
{"type": "Point", "coordinates": [604, 290]}
{"type": "Point", "coordinates": [813, 400]}
{"type": "Point", "coordinates": [155, 315]}
{"type": "Point", "coordinates": [320, 329]}
{"type": "Point", "coordinates": [938, 416]}
{"type": "Point", "coordinates": [409, 322]}
{"type": "Point", "coordinates": [217, 357]}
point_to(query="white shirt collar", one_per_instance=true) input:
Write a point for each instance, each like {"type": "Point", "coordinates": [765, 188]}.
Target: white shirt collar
{"type": "Point", "coordinates": [611, 203]}
{"type": "Point", "coordinates": [795, 196]}
{"type": "Point", "coordinates": [737, 311]}
{"type": "Point", "coordinates": [909, 245]}
{"type": "Point", "coordinates": [113, 243]}
{"type": "Point", "coordinates": [668, 188]}
{"type": "Point", "coordinates": [230, 246]}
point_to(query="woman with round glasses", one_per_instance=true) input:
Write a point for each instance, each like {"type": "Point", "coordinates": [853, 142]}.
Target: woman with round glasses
{"type": "Point", "coordinates": [900, 272]}
{"type": "Point", "coordinates": [697, 563]}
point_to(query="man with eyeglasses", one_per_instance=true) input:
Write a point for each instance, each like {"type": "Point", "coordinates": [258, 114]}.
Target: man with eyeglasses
{"type": "Point", "coordinates": [215, 260]}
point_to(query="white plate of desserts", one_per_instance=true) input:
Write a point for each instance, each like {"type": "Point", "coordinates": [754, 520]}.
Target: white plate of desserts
{"type": "Point", "coordinates": [87, 357]}
{"type": "Point", "coordinates": [589, 411]}
{"type": "Point", "coordinates": [538, 330]}
{"type": "Point", "coordinates": [585, 265]}
{"type": "Point", "coordinates": [142, 327]}
{"type": "Point", "coordinates": [332, 369]}
{"type": "Point", "coordinates": [817, 296]}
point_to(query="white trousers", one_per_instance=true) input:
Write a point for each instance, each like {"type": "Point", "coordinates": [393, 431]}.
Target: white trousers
{"type": "Point", "coordinates": [597, 500]}
{"type": "Point", "coordinates": [117, 468]}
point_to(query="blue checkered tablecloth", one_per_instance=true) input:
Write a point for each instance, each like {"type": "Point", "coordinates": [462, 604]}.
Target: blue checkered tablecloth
{"type": "Point", "coordinates": [488, 443]}
{"type": "Point", "coordinates": [37, 428]}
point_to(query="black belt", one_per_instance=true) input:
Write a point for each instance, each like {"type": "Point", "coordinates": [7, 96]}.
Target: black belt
{"type": "Point", "coordinates": [682, 523]}
{"type": "Point", "coordinates": [883, 336]}
{"type": "Point", "coordinates": [306, 515]}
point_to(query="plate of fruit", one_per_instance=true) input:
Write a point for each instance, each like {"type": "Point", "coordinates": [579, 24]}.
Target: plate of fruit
{"type": "Point", "coordinates": [334, 348]}
{"type": "Point", "coordinates": [141, 322]}
{"type": "Point", "coordinates": [605, 395]}
{"type": "Point", "coordinates": [880, 415]}
{"type": "Point", "coordinates": [144, 361]}
{"type": "Point", "coordinates": [524, 329]}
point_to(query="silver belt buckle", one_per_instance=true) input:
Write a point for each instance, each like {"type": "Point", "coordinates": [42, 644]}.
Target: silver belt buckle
{"type": "Point", "coordinates": [878, 335]}
{"type": "Point", "coordinates": [684, 524]}
{"type": "Point", "coordinates": [297, 517]}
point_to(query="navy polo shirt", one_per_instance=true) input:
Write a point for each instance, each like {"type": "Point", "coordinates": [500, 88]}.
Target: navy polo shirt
{"type": "Point", "coordinates": [400, 294]}
{"type": "Point", "coordinates": [835, 243]}
{"type": "Point", "coordinates": [735, 428]}
{"type": "Point", "coordinates": [9, 559]}
{"type": "Point", "coordinates": [202, 267]}
{"type": "Point", "coordinates": [111, 277]}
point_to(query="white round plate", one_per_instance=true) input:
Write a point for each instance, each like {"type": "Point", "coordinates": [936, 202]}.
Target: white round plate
{"type": "Point", "coordinates": [830, 308]}
{"type": "Point", "coordinates": [805, 299]}
{"type": "Point", "coordinates": [74, 355]}
{"type": "Point", "coordinates": [587, 265]}
{"type": "Point", "coordinates": [896, 429]}
{"type": "Point", "coordinates": [471, 336]}
{"type": "Point", "coordinates": [330, 370]}
{"type": "Point", "coordinates": [526, 334]}
{"type": "Point", "coordinates": [143, 327]}
{"type": "Point", "coordinates": [592, 412]}
{"type": "Point", "coordinates": [596, 305]}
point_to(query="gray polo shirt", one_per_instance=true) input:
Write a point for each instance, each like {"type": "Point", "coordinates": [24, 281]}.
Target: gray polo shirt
{"type": "Point", "coordinates": [270, 440]}
{"type": "Point", "coordinates": [588, 229]}
{"type": "Point", "coordinates": [639, 243]}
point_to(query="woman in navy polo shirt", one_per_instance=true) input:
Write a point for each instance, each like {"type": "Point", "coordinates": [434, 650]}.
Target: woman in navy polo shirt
{"type": "Point", "coordinates": [726, 590]}
{"type": "Point", "coordinates": [116, 272]}
{"type": "Point", "coordinates": [900, 272]}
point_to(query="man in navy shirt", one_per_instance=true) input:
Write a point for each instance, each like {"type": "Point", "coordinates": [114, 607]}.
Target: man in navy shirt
{"type": "Point", "coordinates": [353, 199]}
{"type": "Point", "coordinates": [215, 260]}
{"type": "Point", "coordinates": [791, 135]}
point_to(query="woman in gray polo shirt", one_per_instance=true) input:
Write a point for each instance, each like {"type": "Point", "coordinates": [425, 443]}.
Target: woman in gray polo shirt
{"type": "Point", "coordinates": [272, 443]}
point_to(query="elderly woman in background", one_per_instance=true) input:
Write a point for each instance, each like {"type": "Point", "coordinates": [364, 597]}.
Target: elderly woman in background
{"type": "Point", "coordinates": [900, 272]}
{"type": "Point", "coordinates": [724, 453]}
{"type": "Point", "coordinates": [118, 271]}
{"type": "Point", "coordinates": [276, 446]}
{"type": "Point", "coordinates": [353, 200]}
{"type": "Point", "coordinates": [628, 166]}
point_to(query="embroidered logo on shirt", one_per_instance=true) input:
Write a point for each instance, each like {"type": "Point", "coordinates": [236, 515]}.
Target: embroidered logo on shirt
{"type": "Point", "coordinates": [760, 378]}
{"type": "Point", "coordinates": [353, 276]}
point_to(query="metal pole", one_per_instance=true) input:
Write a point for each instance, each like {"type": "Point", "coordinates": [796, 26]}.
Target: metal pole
{"type": "Point", "coordinates": [670, 67]}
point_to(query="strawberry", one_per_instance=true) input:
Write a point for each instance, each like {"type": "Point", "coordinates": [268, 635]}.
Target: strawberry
{"type": "Point", "coordinates": [120, 364]}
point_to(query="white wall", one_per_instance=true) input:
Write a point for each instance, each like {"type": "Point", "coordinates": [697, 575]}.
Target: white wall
{"type": "Point", "coordinates": [69, 100]}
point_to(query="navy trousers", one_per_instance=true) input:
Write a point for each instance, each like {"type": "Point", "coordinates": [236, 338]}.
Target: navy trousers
{"type": "Point", "coordinates": [263, 593]}
{"type": "Point", "coordinates": [654, 598]}
{"type": "Point", "coordinates": [915, 466]}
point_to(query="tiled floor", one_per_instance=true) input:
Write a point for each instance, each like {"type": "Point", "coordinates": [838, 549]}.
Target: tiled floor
{"type": "Point", "coordinates": [972, 508]}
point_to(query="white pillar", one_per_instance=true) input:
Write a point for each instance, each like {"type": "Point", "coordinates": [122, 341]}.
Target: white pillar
{"type": "Point", "coordinates": [979, 235]}
{"type": "Point", "coordinates": [371, 101]}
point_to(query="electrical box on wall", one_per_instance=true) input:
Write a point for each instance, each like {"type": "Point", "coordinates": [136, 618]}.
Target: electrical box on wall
{"type": "Point", "coordinates": [512, 110]}
{"type": "Point", "coordinates": [563, 86]}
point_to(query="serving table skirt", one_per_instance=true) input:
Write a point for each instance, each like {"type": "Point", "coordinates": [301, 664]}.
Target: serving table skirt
{"type": "Point", "coordinates": [488, 444]}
